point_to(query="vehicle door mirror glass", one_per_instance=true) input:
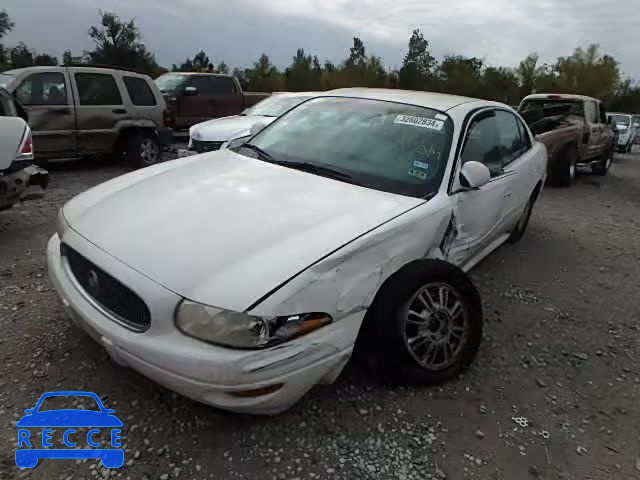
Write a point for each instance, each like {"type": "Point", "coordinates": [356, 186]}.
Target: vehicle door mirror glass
{"type": "Point", "coordinates": [474, 174]}
{"type": "Point", "coordinates": [29, 410]}
{"type": "Point", "coordinates": [256, 127]}
{"type": "Point", "coordinates": [190, 91]}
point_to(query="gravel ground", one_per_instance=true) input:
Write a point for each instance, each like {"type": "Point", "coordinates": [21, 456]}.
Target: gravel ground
{"type": "Point", "coordinates": [552, 395]}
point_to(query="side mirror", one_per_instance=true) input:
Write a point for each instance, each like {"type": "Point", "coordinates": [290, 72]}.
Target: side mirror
{"type": "Point", "coordinates": [29, 410]}
{"type": "Point", "coordinates": [256, 127]}
{"type": "Point", "coordinates": [190, 91]}
{"type": "Point", "coordinates": [636, 125]}
{"type": "Point", "coordinates": [474, 175]}
{"type": "Point", "coordinates": [109, 411]}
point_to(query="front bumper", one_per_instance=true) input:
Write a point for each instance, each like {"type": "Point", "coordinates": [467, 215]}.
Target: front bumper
{"type": "Point", "coordinates": [25, 184]}
{"type": "Point", "coordinates": [206, 373]}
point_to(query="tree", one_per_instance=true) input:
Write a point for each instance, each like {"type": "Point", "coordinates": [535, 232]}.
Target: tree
{"type": "Point", "coordinates": [357, 54]}
{"type": "Point", "coordinates": [418, 63]}
{"type": "Point", "coordinates": [587, 72]}
{"type": "Point", "coordinates": [222, 68]}
{"type": "Point", "coordinates": [69, 59]}
{"type": "Point", "coordinates": [303, 73]}
{"type": "Point", "coordinates": [20, 56]}
{"type": "Point", "coordinates": [500, 84]}
{"type": "Point", "coordinates": [118, 43]}
{"type": "Point", "coordinates": [461, 75]}
{"type": "Point", "coordinates": [264, 76]}
{"type": "Point", "coordinates": [6, 25]}
{"type": "Point", "coordinates": [528, 73]}
{"type": "Point", "coordinates": [45, 60]}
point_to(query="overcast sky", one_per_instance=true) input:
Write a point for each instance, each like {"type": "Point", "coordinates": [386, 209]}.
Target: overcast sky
{"type": "Point", "coordinates": [238, 31]}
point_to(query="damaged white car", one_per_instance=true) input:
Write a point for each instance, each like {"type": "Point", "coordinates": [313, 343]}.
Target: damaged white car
{"type": "Point", "coordinates": [20, 179]}
{"type": "Point", "coordinates": [243, 277]}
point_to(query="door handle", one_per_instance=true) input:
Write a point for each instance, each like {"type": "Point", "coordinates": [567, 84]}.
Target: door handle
{"type": "Point", "coordinates": [119, 110]}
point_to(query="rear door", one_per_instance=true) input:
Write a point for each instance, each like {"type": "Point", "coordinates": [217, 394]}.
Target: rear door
{"type": "Point", "coordinates": [47, 98]}
{"type": "Point", "coordinates": [100, 106]}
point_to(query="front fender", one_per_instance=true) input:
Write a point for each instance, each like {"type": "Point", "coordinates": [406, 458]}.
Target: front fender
{"type": "Point", "coordinates": [348, 280]}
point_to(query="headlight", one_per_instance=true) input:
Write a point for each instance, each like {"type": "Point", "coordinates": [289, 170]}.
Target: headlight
{"type": "Point", "coordinates": [236, 142]}
{"type": "Point", "coordinates": [61, 223]}
{"type": "Point", "coordinates": [240, 330]}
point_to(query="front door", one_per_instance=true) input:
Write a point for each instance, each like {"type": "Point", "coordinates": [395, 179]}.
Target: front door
{"type": "Point", "coordinates": [100, 107]}
{"type": "Point", "coordinates": [47, 99]}
{"type": "Point", "coordinates": [478, 214]}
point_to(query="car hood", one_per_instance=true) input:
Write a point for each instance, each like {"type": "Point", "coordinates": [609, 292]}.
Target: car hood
{"type": "Point", "coordinates": [69, 418]}
{"type": "Point", "coordinates": [227, 128]}
{"type": "Point", "coordinates": [224, 229]}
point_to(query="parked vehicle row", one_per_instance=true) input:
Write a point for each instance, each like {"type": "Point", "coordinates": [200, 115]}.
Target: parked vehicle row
{"type": "Point", "coordinates": [79, 111]}
{"type": "Point", "coordinates": [20, 179]}
{"type": "Point", "coordinates": [346, 224]}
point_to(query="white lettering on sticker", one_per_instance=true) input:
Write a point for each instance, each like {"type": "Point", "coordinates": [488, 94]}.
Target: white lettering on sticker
{"type": "Point", "coordinates": [419, 164]}
{"type": "Point", "coordinates": [440, 116]}
{"type": "Point", "coordinates": [422, 122]}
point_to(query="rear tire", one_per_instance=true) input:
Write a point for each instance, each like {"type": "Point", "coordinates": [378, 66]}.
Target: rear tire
{"type": "Point", "coordinates": [424, 326]}
{"type": "Point", "coordinates": [563, 169]}
{"type": "Point", "coordinates": [605, 163]}
{"type": "Point", "coordinates": [142, 150]}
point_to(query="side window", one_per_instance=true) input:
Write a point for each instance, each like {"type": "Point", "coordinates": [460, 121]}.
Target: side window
{"type": "Point", "coordinates": [139, 91]}
{"type": "Point", "coordinates": [222, 85]}
{"type": "Point", "coordinates": [590, 112]}
{"type": "Point", "coordinates": [482, 143]}
{"type": "Point", "coordinates": [47, 88]}
{"type": "Point", "coordinates": [97, 89]}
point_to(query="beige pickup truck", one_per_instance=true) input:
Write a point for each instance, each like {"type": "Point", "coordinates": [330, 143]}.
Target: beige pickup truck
{"type": "Point", "coordinates": [575, 131]}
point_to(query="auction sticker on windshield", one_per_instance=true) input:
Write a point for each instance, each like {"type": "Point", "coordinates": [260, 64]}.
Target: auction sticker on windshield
{"type": "Point", "coordinates": [59, 433]}
{"type": "Point", "coordinates": [423, 122]}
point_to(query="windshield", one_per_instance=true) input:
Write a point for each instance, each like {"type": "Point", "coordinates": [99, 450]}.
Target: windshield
{"type": "Point", "coordinates": [5, 79]}
{"type": "Point", "coordinates": [69, 402]}
{"type": "Point", "coordinates": [169, 82]}
{"type": "Point", "coordinates": [382, 145]}
{"type": "Point", "coordinates": [620, 120]}
{"type": "Point", "coordinates": [275, 105]}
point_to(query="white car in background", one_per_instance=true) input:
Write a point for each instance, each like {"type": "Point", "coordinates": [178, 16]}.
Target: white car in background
{"type": "Point", "coordinates": [219, 132]}
{"type": "Point", "coordinates": [244, 281]}
{"type": "Point", "coordinates": [626, 128]}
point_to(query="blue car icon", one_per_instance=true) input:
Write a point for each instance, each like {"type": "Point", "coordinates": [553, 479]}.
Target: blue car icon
{"type": "Point", "coordinates": [41, 420]}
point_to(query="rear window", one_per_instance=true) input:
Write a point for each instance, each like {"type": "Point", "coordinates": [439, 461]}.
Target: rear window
{"type": "Point", "coordinates": [170, 82]}
{"type": "Point", "coordinates": [139, 92]}
{"type": "Point", "coordinates": [551, 108]}
{"type": "Point", "coordinates": [5, 78]}
{"type": "Point", "coordinates": [210, 85]}
{"type": "Point", "coordinates": [97, 89]}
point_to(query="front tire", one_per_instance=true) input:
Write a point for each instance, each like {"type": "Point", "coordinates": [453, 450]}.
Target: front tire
{"type": "Point", "coordinates": [424, 326]}
{"type": "Point", "coordinates": [563, 169]}
{"type": "Point", "coordinates": [605, 163]}
{"type": "Point", "coordinates": [142, 150]}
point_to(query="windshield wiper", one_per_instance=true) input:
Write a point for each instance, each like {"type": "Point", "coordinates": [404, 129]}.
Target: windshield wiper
{"type": "Point", "coordinates": [262, 155]}
{"type": "Point", "coordinates": [320, 170]}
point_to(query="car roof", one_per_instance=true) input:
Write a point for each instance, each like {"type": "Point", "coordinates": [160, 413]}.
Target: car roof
{"type": "Point", "coordinates": [558, 96]}
{"type": "Point", "coordinates": [209, 74]}
{"type": "Point", "coordinates": [297, 94]}
{"type": "Point", "coordinates": [438, 101]}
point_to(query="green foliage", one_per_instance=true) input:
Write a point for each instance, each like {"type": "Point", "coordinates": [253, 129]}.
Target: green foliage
{"type": "Point", "coordinates": [416, 72]}
{"type": "Point", "coordinates": [199, 63]}
{"type": "Point", "coordinates": [264, 76]}
{"type": "Point", "coordinates": [304, 73]}
{"type": "Point", "coordinates": [118, 43]}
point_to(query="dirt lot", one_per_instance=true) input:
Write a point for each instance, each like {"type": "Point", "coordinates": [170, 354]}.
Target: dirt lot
{"type": "Point", "coordinates": [561, 356]}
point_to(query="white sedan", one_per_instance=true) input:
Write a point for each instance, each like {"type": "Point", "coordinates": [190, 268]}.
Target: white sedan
{"type": "Point", "coordinates": [229, 131]}
{"type": "Point", "coordinates": [243, 277]}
